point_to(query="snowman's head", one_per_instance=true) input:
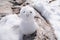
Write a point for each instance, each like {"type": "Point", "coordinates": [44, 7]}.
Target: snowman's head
{"type": "Point", "coordinates": [27, 12]}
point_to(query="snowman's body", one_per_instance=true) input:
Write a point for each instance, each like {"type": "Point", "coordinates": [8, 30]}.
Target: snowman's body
{"type": "Point", "coordinates": [28, 25]}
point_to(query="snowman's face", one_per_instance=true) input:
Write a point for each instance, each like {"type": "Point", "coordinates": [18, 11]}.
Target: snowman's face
{"type": "Point", "coordinates": [27, 12]}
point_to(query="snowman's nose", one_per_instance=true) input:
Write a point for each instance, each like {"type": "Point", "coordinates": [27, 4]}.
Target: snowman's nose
{"type": "Point", "coordinates": [27, 15]}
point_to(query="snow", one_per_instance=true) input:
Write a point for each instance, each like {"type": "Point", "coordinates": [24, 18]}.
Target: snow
{"type": "Point", "coordinates": [52, 13]}
{"type": "Point", "coordinates": [9, 28]}
{"type": "Point", "coordinates": [27, 25]}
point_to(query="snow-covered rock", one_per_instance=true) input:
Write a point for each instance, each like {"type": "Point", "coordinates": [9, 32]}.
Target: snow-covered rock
{"type": "Point", "coordinates": [51, 14]}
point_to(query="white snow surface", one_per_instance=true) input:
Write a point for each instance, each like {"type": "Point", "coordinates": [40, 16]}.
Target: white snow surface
{"type": "Point", "coordinates": [51, 12]}
{"type": "Point", "coordinates": [9, 28]}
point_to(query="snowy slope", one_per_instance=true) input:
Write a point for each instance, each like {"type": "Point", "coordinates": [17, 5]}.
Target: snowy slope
{"type": "Point", "coordinates": [51, 13]}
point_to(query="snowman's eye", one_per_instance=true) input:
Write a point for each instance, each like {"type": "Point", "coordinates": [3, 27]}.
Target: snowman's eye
{"type": "Point", "coordinates": [23, 11]}
{"type": "Point", "coordinates": [30, 11]}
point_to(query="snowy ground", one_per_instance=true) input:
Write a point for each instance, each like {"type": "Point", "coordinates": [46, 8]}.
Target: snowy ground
{"type": "Point", "coordinates": [51, 11]}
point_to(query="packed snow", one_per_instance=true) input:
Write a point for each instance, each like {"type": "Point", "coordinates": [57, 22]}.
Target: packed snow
{"type": "Point", "coordinates": [28, 24]}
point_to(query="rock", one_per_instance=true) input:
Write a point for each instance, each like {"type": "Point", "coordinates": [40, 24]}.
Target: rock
{"type": "Point", "coordinates": [20, 1]}
{"type": "Point", "coordinates": [5, 0]}
{"type": "Point", "coordinates": [45, 31]}
{"type": "Point", "coordinates": [17, 2]}
{"type": "Point", "coordinates": [5, 8]}
{"type": "Point", "coordinates": [16, 10]}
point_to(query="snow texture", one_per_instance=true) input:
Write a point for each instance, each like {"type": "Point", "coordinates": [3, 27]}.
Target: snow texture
{"type": "Point", "coordinates": [51, 13]}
